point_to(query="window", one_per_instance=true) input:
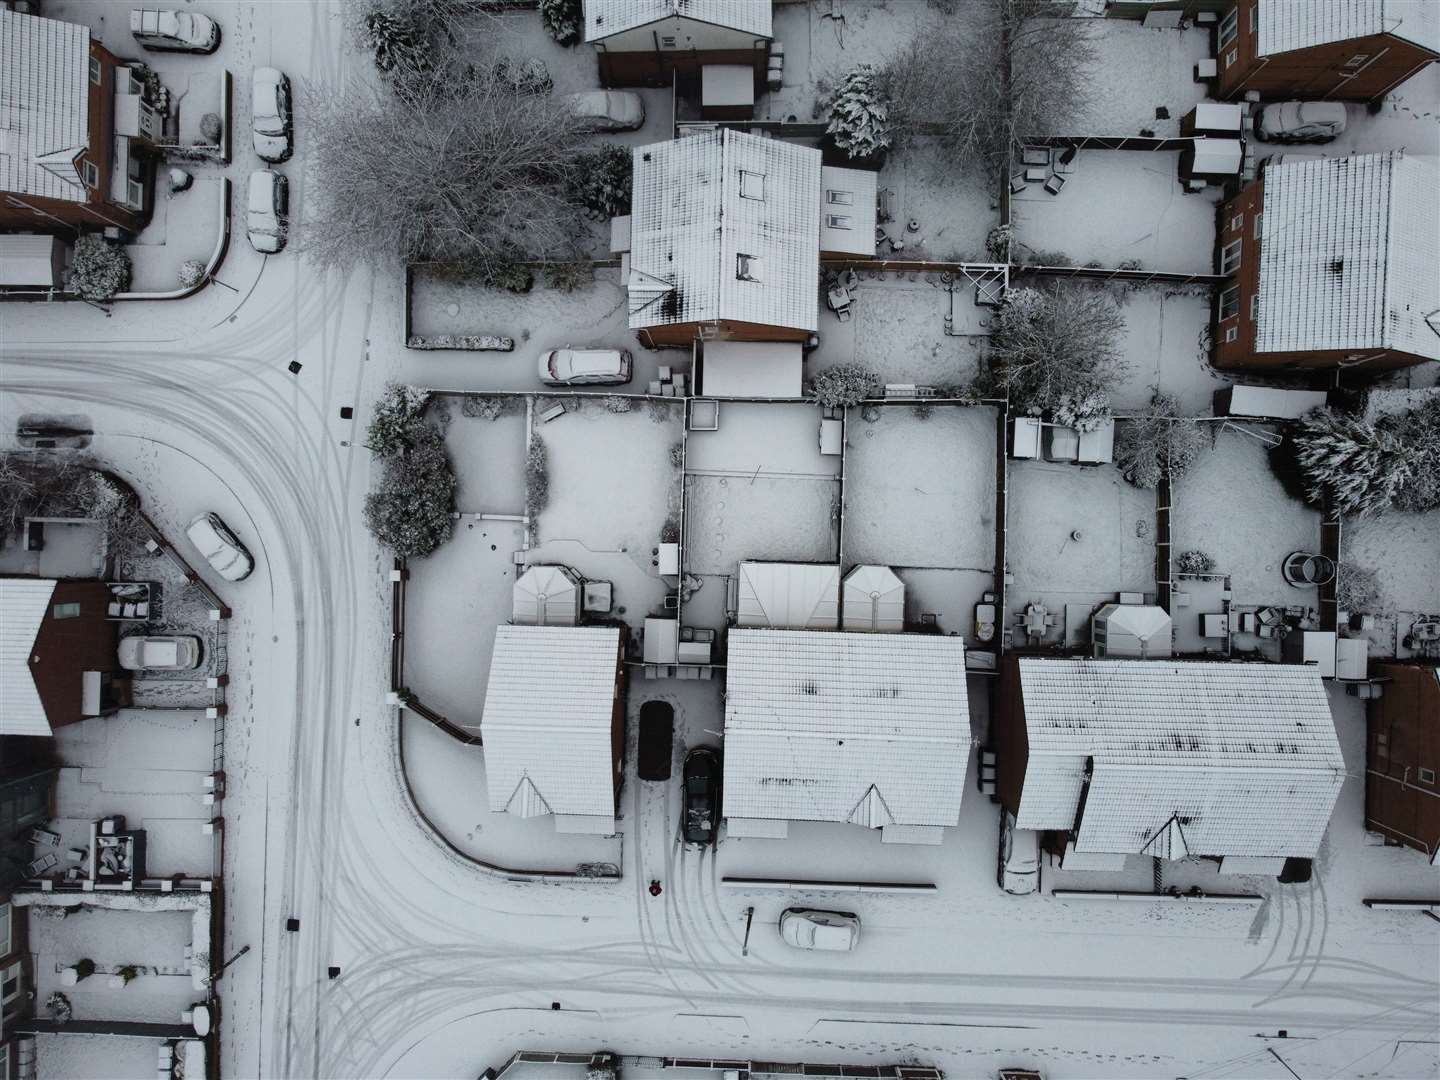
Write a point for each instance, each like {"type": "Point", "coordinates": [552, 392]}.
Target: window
{"type": "Point", "coordinates": [839, 198]}
{"type": "Point", "coordinates": [1257, 226]}
{"type": "Point", "coordinates": [1237, 222]}
{"type": "Point", "coordinates": [96, 71]}
{"type": "Point", "coordinates": [1229, 27]}
{"type": "Point", "coordinates": [752, 185]}
{"type": "Point", "coordinates": [1427, 776]}
{"type": "Point", "coordinates": [1254, 306]}
{"type": "Point", "coordinates": [92, 174]}
{"type": "Point", "coordinates": [1254, 18]}
{"type": "Point", "coordinates": [135, 194]}
{"type": "Point", "coordinates": [748, 267]}
{"type": "Point", "coordinates": [1231, 334]}
{"type": "Point", "coordinates": [1232, 57]}
{"type": "Point", "coordinates": [1230, 303]}
{"type": "Point", "coordinates": [1230, 257]}
{"type": "Point", "coordinates": [66, 611]}
{"type": "Point", "coordinates": [837, 221]}
{"type": "Point", "coordinates": [1356, 60]}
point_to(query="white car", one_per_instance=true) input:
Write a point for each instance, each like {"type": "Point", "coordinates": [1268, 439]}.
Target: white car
{"type": "Point", "coordinates": [827, 931]}
{"type": "Point", "coordinates": [267, 211]}
{"type": "Point", "coordinates": [270, 118]}
{"type": "Point", "coordinates": [174, 31]}
{"type": "Point", "coordinates": [608, 110]}
{"type": "Point", "coordinates": [581, 367]}
{"type": "Point", "coordinates": [1019, 871]}
{"type": "Point", "coordinates": [222, 551]}
{"type": "Point", "coordinates": [176, 652]}
{"type": "Point", "coordinates": [1301, 121]}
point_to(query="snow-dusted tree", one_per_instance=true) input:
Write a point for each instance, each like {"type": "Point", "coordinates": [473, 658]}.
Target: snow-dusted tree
{"type": "Point", "coordinates": [191, 273]}
{"type": "Point", "coordinates": [563, 20]}
{"type": "Point", "coordinates": [1149, 446]}
{"type": "Point", "coordinates": [399, 414]}
{"type": "Point", "coordinates": [1194, 562]}
{"type": "Point", "coordinates": [410, 511]}
{"type": "Point", "coordinates": [601, 181]}
{"type": "Point", "coordinates": [988, 78]}
{"type": "Point", "coordinates": [396, 44]}
{"type": "Point", "coordinates": [1420, 428]}
{"type": "Point", "coordinates": [843, 385]}
{"type": "Point", "coordinates": [860, 115]}
{"type": "Point", "coordinates": [1357, 464]}
{"type": "Point", "coordinates": [1057, 350]}
{"type": "Point", "coordinates": [98, 268]}
{"type": "Point", "coordinates": [1357, 589]}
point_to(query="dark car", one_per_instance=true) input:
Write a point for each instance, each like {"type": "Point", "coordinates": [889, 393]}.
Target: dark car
{"type": "Point", "coordinates": [657, 734]}
{"type": "Point", "coordinates": [702, 795]}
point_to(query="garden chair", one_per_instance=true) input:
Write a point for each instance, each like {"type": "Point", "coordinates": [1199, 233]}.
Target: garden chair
{"type": "Point", "coordinates": [1054, 184]}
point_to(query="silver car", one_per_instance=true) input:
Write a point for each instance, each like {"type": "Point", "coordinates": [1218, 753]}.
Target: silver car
{"type": "Point", "coordinates": [1019, 869]}
{"type": "Point", "coordinates": [826, 931]}
{"type": "Point", "coordinates": [585, 367]}
{"type": "Point", "coordinates": [1301, 121]}
{"type": "Point", "coordinates": [160, 30]}
{"type": "Point", "coordinates": [213, 539]}
{"type": "Point", "coordinates": [270, 118]}
{"type": "Point", "coordinates": [608, 110]}
{"type": "Point", "coordinates": [267, 211]}
{"type": "Point", "coordinates": [175, 652]}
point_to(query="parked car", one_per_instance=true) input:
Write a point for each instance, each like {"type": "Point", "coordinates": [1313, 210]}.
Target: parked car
{"type": "Point", "coordinates": [528, 76]}
{"type": "Point", "coordinates": [268, 211]}
{"type": "Point", "coordinates": [1019, 864]}
{"type": "Point", "coordinates": [608, 110]}
{"type": "Point", "coordinates": [270, 117]}
{"type": "Point", "coordinates": [582, 367]}
{"type": "Point", "coordinates": [213, 539]}
{"type": "Point", "coordinates": [1301, 121]}
{"type": "Point", "coordinates": [174, 652]}
{"type": "Point", "coordinates": [826, 931]}
{"type": "Point", "coordinates": [174, 31]}
{"type": "Point", "coordinates": [702, 795]}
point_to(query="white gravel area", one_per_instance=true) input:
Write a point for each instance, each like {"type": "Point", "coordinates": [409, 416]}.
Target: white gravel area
{"type": "Point", "coordinates": [921, 492]}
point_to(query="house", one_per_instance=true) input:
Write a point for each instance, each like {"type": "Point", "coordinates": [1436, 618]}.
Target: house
{"type": "Point", "coordinates": [868, 729]}
{"type": "Point", "coordinates": [554, 725]}
{"type": "Point", "coordinates": [58, 662]}
{"type": "Point", "coordinates": [1168, 759]}
{"type": "Point", "coordinates": [76, 131]}
{"type": "Point", "coordinates": [1338, 50]}
{"type": "Point", "coordinates": [788, 596]}
{"type": "Point", "coordinates": [646, 42]}
{"type": "Point", "coordinates": [1402, 758]}
{"type": "Point", "coordinates": [1331, 262]}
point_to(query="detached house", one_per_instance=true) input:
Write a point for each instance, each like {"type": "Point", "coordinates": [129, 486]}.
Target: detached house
{"type": "Point", "coordinates": [644, 42]}
{"type": "Point", "coordinates": [1331, 262]}
{"type": "Point", "coordinates": [1338, 50]}
{"type": "Point", "coordinates": [1402, 760]}
{"type": "Point", "coordinates": [76, 129]}
{"type": "Point", "coordinates": [1168, 759]}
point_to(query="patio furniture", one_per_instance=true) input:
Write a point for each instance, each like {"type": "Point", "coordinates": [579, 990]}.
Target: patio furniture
{"type": "Point", "coordinates": [36, 867]}
{"type": "Point", "coordinates": [1214, 624]}
{"type": "Point", "coordinates": [1017, 183]}
{"type": "Point", "coordinates": [1036, 174]}
{"type": "Point", "coordinates": [553, 412]}
{"type": "Point", "coordinates": [1067, 157]}
{"type": "Point", "coordinates": [1054, 184]}
{"type": "Point", "coordinates": [1302, 569]}
{"type": "Point", "coordinates": [839, 300]}
{"type": "Point", "coordinates": [1035, 155]}
{"type": "Point", "coordinates": [44, 837]}
{"type": "Point", "coordinates": [1036, 620]}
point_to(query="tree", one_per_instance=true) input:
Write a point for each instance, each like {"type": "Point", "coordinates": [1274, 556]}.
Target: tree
{"type": "Point", "coordinates": [984, 81]}
{"type": "Point", "coordinates": [1057, 349]}
{"type": "Point", "coordinates": [398, 416]}
{"type": "Point", "coordinates": [601, 181]}
{"type": "Point", "coordinates": [1420, 428]}
{"type": "Point", "coordinates": [452, 166]}
{"type": "Point", "coordinates": [1148, 447]}
{"type": "Point", "coordinates": [1357, 464]}
{"type": "Point", "coordinates": [860, 115]}
{"type": "Point", "coordinates": [410, 511]}
{"type": "Point", "coordinates": [843, 385]}
{"type": "Point", "coordinates": [59, 484]}
{"type": "Point", "coordinates": [98, 268]}
{"type": "Point", "coordinates": [563, 20]}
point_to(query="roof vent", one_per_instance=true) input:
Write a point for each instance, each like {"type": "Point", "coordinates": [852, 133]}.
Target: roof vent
{"type": "Point", "coordinates": [1337, 267]}
{"type": "Point", "coordinates": [749, 267]}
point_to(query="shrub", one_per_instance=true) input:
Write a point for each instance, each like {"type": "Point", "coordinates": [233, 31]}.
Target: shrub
{"type": "Point", "coordinates": [1420, 428]}
{"type": "Point", "coordinates": [601, 181]}
{"type": "Point", "coordinates": [1357, 589]}
{"type": "Point", "coordinates": [860, 115]}
{"type": "Point", "coordinates": [563, 20]}
{"type": "Point", "coordinates": [1360, 466]}
{"type": "Point", "coordinates": [98, 268]}
{"type": "Point", "coordinates": [511, 276]}
{"type": "Point", "coordinates": [397, 419]}
{"type": "Point", "coordinates": [488, 408]}
{"type": "Point", "coordinates": [670, 531]}
{"type": "Point", "coordinates": [192, 272]}
{"type": "Point", "coordinates": [537, 478]}
{"type": "Point", "coordinates": [410, 511]}
{"type": "Point", "coordinates": [923, 411]}
{"type": "Point", "coordinates": [1083, 413]}
{"type": "Point", "coordinates": [395, 44]}
{"type": "Point", "coordinates": [677, 454]}
{"type": "Point", "coordinates": [211, 128]}
{"type": "Point", "coordinates": [618, 403]}
{"type": "Point", "coordinates": [569, 276]}
{"type": "Point", "coordinates": [1147, 447]}
{"type": "Point", "coordinates": [843, 385]}
{"type": "Point", "coordinates": [1194, 562]}
{"type": "Point", "coordinates": [997, 243]}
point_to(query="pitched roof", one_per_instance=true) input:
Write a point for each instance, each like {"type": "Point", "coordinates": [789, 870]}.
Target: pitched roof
{"type": "Point", "coordinates": [1244, 757]}
{"type": "Point", "coordinates": [44, 105]}
{"type": "Point", "coordinates": [708, 208]}
{"type": "Point", "coordinates": [1350, 255]}
{"type": "Point", "coordinates": [824, 726]}
{"type": "Point", "coordinates": [788, 596]}
{"type": "Point", "coordinates": [1286, 25]}
{"type": "Point", "coordinates": [23, 602]}
{"type": "Point", "coordinates": [606, 17]}
{"type": "Point", "coordinates": [547, 717]}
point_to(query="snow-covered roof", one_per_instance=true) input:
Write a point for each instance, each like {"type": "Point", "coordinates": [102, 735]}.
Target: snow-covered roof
{"type": "Point", "coordinates": [788, 596]}
{"type": "Point", "coordinates": [1243, 757]}
{"type": "Point", "coordinates": [606, 17]}
{"type": "Point", "coordinates": [546, 596]}
{"type": "Point", "coordinates": [725, 225]}
{"type": "Point", "coordinates": [547, 720]}
{"type": "Point", "coordinates": [874, 599]}
{"type": "Point", "coordinates": [44, 105]}
{"type": "Point", "coordinates": [847, 210]}
{"type": "Point", "coordinates": [23, 602]}
{"type": "Point", "coordinates": [1350, 255]}
{"type": "Point", "coordinates": [872, 729]}
{"type": "Point", "coordinates": [1287, 25]}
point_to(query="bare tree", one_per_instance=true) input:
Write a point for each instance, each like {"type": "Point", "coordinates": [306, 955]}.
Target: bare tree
{"type": "Point", "coordinates": [987, 78]}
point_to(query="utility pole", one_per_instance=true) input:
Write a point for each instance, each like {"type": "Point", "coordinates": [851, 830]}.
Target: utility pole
{"type": "Point", "coordinates": [211, 980]}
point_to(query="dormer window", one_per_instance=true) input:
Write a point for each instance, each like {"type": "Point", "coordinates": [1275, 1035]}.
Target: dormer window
{"type": "Point", "coordinates": [749, 268]}
{"type": "Point", "coordinates": [839, 198]}
{"type": "Point", "coordinates": [752, 185]}
{"type": "Point", "coordinates": [837, 221]}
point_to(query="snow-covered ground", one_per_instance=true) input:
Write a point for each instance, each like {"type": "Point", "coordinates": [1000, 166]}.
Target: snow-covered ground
{"type": "Point", "coordinates": [94, 1057]}
{"type": "Point", "coordinates": [1403, 550]}
{"type": "Point", "coordinates": [1140, 70]}
{"type": "Point", "coordinates": [1166, 345]}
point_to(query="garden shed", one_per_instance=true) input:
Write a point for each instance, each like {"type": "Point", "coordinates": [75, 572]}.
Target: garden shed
{"type": "Point", "coordinates": [874, 599]}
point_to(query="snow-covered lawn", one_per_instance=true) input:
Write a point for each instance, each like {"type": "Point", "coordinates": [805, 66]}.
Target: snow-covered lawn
{"type": "Point", "coordinates": [955, 207]}
{"type": "Point", "coordinates": [1403, 550]}
{"type": "Point", "coordinates": [488, 457]}
{"type": "Point", "coordinates": [1167, 344]}
{"type": "Point", "coordinates": [1231, 506]}
{"type": "Point", "coordinates": [184, 225]}
{"type": "Point", "coordinates": [1075, 535]}
{"type": "Point", "coordinates": [1138, 71]}
{"type": "Point", "coordinates": [94, 1057]}
{"type": "Point", "coordinates": [1120, 206]}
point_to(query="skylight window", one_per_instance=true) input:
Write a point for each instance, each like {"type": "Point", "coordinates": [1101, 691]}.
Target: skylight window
{"type": "Point", "coordinates": [749, 267]}
{"type": "Point", "coordinates": [752, 185]}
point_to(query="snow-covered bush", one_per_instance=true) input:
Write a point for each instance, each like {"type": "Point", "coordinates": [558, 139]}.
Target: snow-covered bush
{"type": "Point", "coordinates": [397, 47]}
{"type": "Point", "coordinates": [860, 115]}
{"type": "Point", "coordinates": [677, 454]}
{"type": "Point", "coordinates": [410, 511]}
{"type": "Point", "coordinates": [1359, 465]}
{"type": "Point", "coordinates": [192, 272]}
{"type": "Point", "coordinates": [618, 403]}
{"type": "Point", "coordinates": [1083, 413]}
{"type": "Point", "coordinates": [211, 128]}
{"type": "Point", "coordinates": [1194, 562]}
{"type": "Point", "coordinates": [488, 408]}
{"type": "Point", "coordinates": [98, 268]}
{"type": "Point", "coordinates": [601, 181]}
{"type": "Point", "coordinates": [537, 478]}
{"type": "Point", "coordinates": [843, 385]}
{"type": "Point", "coordinates": [1419, 428]}
{"type": "Point", "coordinates": [1357, 589]}
{"type": "Point", "coordinates": [510, 276]}
{"type": "Point", "coordinates": [563, 20]}
{"type": "Point", "coordinates": [569, 275]}
{"type": "Point", "coordinates": [1147, 447]}
{"type": "Point", "coordinates": [399, 415]}
{"type": "Point", "coordinates": [997, 242]}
